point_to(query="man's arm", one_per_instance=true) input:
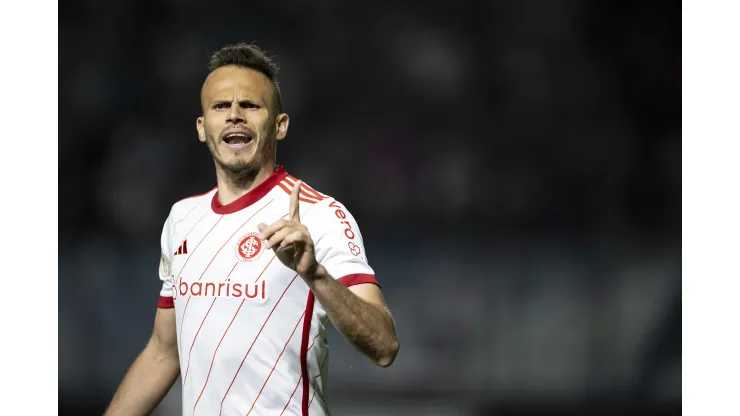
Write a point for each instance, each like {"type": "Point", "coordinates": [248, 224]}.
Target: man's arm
{"type": "Point", "coordinates": [359, 314]}
{"type": "Point", "coordinates": [361, 317]}
{"type": "Point", "coordinates": [152, 374]}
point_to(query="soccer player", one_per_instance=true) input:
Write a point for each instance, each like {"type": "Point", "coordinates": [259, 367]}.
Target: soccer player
{"type": "Point", "coordinates": [253, 270]}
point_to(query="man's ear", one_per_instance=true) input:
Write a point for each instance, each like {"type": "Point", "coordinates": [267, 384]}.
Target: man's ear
{"type": "Point", "coordinates": [281, 123]}
{"type": "Point", "coordinates": [201, 129]}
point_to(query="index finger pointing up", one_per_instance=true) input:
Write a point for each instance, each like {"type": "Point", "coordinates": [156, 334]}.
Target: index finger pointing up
{"type": "Point", "coordinates": [294, 212]}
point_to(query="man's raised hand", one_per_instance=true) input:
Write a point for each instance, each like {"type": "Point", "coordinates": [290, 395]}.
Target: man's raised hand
{"type": "Point", "coordinates": [291, 240]}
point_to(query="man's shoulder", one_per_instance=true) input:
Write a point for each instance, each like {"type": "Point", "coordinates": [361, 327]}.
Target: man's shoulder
{"type": "Point", "coordinates": [317, 207]}
{"type": "Point", "coordinates": [182, 207]}
{"type": "Point", "coordinates": [308, 196]}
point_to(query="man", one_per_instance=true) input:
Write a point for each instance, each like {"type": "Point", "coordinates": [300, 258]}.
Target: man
{"type": "Point", "coordinates": [246, 332]}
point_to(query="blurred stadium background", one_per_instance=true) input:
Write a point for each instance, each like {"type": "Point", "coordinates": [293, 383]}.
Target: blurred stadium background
{"type": "Point", "coordinates": [514, 167]}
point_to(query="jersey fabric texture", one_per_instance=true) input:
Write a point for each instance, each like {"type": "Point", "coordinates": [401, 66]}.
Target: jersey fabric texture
{"type": "Point", "coordinates": [251, 337]}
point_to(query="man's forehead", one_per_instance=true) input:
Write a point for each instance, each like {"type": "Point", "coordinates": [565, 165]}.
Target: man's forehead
{"type": "Point", "coordinates": [235, 80]}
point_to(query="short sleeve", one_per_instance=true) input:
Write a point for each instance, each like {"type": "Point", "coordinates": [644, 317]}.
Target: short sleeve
{"type": "Point", "coordinates": [166, 299]}
{"type": "Point", "coordinates": [339, 246]}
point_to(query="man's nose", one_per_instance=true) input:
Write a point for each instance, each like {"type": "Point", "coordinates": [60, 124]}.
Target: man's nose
{"type": "Point", "coordinates": [235, 114]}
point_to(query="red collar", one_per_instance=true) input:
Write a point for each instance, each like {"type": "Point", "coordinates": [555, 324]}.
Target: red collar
{"type": "Point", "coordinates": [250, 197]}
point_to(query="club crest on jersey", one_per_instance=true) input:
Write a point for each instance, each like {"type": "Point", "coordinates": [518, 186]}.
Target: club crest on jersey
{"type": "Point", "coordinates": [249, 247]}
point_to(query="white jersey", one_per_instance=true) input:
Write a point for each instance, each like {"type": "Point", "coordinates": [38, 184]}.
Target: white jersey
{"type": "Point", "coordinates": [251, 338]}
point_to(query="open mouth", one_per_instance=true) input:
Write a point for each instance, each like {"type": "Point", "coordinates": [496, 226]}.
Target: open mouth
{"type": "Point", "coordinates": [237, 138]}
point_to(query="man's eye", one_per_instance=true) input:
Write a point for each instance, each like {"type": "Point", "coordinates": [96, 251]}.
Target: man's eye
{"type": "Point", "coordinates": [221, 106]}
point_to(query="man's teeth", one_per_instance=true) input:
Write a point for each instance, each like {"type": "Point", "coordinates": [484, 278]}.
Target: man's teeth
{"type": "Point", "coordinates": [237, 138]}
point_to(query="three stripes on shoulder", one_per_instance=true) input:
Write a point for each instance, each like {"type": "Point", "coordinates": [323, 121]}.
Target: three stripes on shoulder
{"type": "Point", "coordinates": [307, 193]}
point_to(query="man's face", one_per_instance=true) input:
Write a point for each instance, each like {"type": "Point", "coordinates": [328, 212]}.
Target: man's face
{"type": "Point", "coordinates": [239, 123]}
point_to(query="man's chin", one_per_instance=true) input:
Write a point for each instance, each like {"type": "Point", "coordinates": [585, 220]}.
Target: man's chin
{"type": "Point", "coordinates": [239, 167]}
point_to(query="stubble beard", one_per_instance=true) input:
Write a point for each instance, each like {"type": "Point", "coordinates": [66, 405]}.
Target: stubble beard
{"type": "Point", "coordinates": [245, 171]}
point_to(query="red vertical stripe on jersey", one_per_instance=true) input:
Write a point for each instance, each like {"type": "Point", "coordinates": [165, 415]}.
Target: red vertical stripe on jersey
{"type": "Point", "coordinates": [301, 377]}
{"type": "Point", "coordinates": [323, 323]}
{"type": "Point", "coordinates": [185, 247]}
{"type": "Point", "coordinates": [263, 270]}
{"type": "Point", "coordinates": [209, 310]}
{"type": "Point", "coordinates": [198, 245]}
{"type": "Point", "coordinates": [304, 351]}
{"type": "Point", "coordinates": [214, 354]}
{"type": "Point", "coordinates": [276, 362]}
{"type": "Point", "coordinates": [183, 268]}
{"type": "Point", "coordinates": [187, 369]}
{"type": "Point", "coordinates": [291, 395]}
{"type": "Point", "coordinates": [182, 320]}
{"type": "Point", "coordinates": [186, 236]}
{"type": "Point", "coordinates": [250, 347]}
{"type": "Point", "coordinates": [321, 367]}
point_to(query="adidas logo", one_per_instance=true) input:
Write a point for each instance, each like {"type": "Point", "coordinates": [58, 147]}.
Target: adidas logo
{"type": "Point", "coordinates": [183, 249]}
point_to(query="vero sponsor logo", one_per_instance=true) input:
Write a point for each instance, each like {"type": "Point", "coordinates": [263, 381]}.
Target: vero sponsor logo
{"type": "Point", "coordinates": [348, 232]}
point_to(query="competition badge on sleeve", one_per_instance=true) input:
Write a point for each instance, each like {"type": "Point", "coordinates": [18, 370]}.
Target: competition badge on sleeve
{"type": "Point", "coordinates": [164, 266]}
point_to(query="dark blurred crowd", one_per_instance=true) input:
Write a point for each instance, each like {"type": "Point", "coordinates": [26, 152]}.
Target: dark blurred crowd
{"type": "Point", "coordinates": [530, 115]}
{"type": "Point", "coordinates": [526, 151]}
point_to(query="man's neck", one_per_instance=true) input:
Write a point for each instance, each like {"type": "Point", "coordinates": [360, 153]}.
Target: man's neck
{"type": "Point", "coordinates": [231, 187]}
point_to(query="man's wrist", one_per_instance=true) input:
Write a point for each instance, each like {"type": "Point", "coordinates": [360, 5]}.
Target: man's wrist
{"type": "Point", "coordinates": [319, 273]}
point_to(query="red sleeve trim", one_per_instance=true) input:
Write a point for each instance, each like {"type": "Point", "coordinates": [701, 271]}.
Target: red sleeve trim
{"type": "Point", "coordinates": [166, 302]}
{"type": "Point", "coordinates": [358, 278]}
